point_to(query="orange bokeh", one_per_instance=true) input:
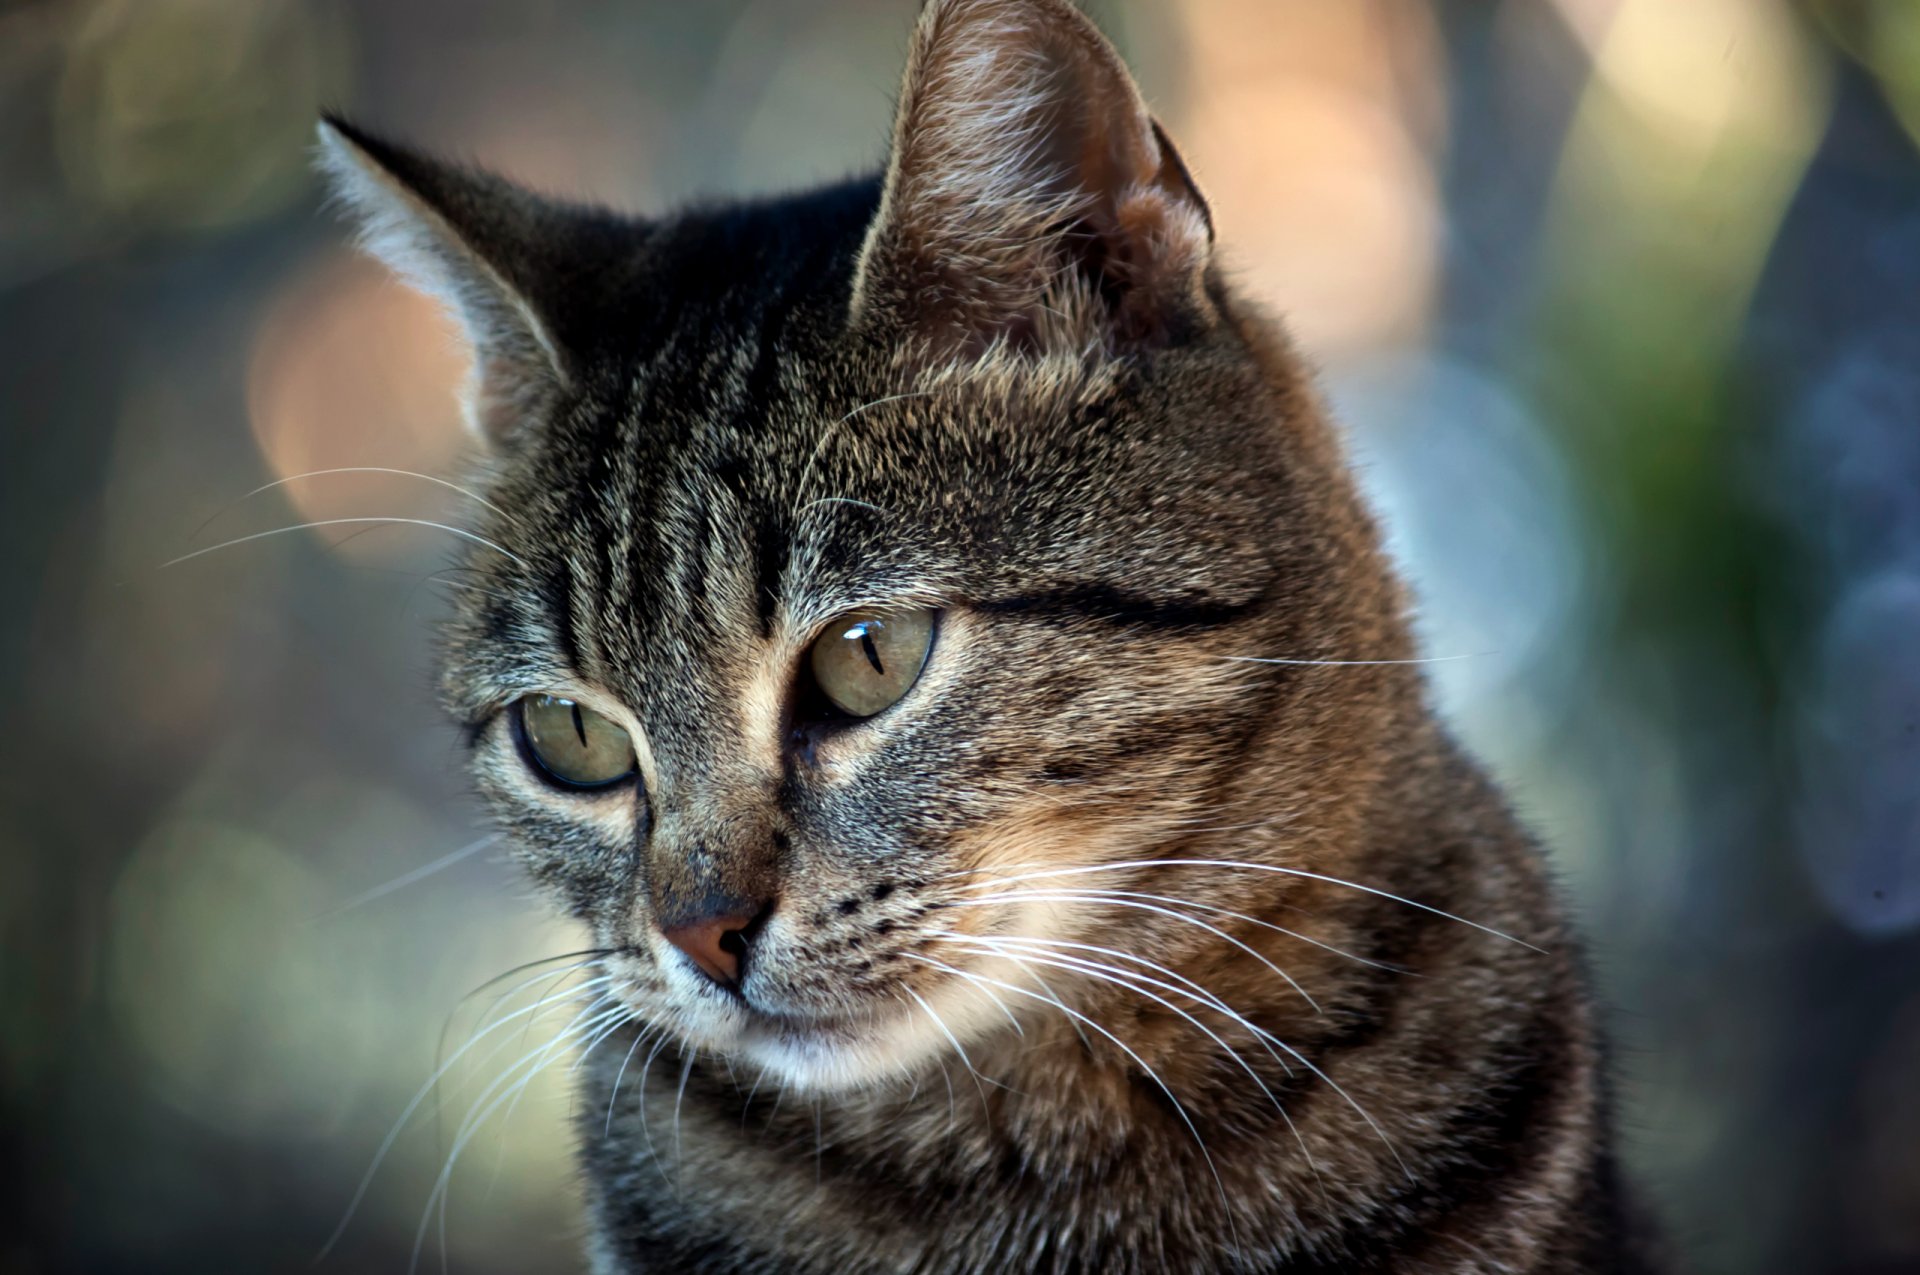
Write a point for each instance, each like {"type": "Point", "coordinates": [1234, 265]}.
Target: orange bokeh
{"type": "Point", "coordinates": [351, 369]}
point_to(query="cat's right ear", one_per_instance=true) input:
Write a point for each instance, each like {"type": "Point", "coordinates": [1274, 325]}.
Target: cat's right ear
{"type": "Point", "coordinates": [473, 242]}
{"type": "Point", "coordinates": [1031, 201]}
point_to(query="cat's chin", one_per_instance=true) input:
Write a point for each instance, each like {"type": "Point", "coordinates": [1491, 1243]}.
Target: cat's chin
{"type": "Point", "coordinates": [858, 1046]}
{"type": "Point", "coordinates": [829, 1055]}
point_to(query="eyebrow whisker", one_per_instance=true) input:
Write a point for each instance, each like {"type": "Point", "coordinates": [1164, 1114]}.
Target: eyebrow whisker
{"type": "Point", "coordinates": [340, 522]}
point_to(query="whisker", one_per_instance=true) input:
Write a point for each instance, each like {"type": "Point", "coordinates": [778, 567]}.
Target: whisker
{"type": "Point", "coordinates": [957, 1048]}
{"type": "Point", "coordinates": [1071, 897]}
{"type": "Point", "coordinates": [827, 435]}
{"type": "Point", "coordinates": [587, 1052]}
{"type": "Point", "coordinates": [1251, 920]}
{"type": "Point", "coordinates": [1140, 1062]}
{"type": "Point", "coordinates": [402, 882]}
{"type": "Point", "coordinates": [413, 1105]}
{"type": "Point", "coordinates": [1055, 996]}
{"type": "Point", "coordinates": [603, 1009]}
{"type": "Point", "coordinates": [338, 522]}
{"type": "Point", "coordinates": [528, 1026]}
{"type": "Point", "coordinates": [1036, 949]}
{"type": "Point", "coordinates": [1244, 866]}
{"type": "Point", "coordinates": [747, 1105]}
{"type": "Point", "coordinates": [533, 1064]}
{"type": "Point", "coordinates": [1127, 980]}
{"type": "Point", "coordinates": [1216, 1004]}
{"type": "Point", "coordinates": [590, 953]}
{"type": "Point", "coordinates": [552, 977]}
{"type": "Point", "coordinates": [686, 1069]}
{"type": "Point", "coordinates": [646, 1132]}
{"type": "Point", "coordinates": [350, 469]}
{"type": "Point", "coordinates": [1431, 659]}
{"type": "Point", "coordinates": [1001, 1005]}
{"type": "Point", "coordinates": [1187, 987]}
{"type": "Point", "coordinates": [639, 1038]}
{"type": "Point", "coordinates": [504, 1078]}
{"type": "Point", "coordinates": [613, 1024]}
{"type": "Point", "coordinates": [480, 589]}
{"type": "Point", "coordinates": [844, 500]}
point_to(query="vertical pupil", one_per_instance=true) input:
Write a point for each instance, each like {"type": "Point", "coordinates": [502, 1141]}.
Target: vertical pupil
{"type": "Point", "coordinates": [873, 653]}
{"type": "Point", "coordinates": [579, 725]}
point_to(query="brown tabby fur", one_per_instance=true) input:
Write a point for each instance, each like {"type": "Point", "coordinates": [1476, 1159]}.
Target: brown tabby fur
{"type": "Point", "coordinates": [1007, 383]}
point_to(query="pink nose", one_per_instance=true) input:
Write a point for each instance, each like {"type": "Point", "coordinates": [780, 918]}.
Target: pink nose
{"type": "Point", "coordinates": [715, 945]}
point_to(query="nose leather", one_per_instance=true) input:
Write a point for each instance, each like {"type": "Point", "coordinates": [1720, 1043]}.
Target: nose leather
{"type": "Point", "coordinates": [715, 944]}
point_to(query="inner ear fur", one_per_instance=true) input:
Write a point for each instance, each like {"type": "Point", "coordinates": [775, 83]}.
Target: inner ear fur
{"type": "Point", "coordinates": [1030, 198]}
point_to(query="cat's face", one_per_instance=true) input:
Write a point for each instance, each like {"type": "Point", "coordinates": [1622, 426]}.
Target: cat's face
{"type": "Point", "coordinates": [835, 590]}
{"type": "Point", "coordinates": [1082, 573]}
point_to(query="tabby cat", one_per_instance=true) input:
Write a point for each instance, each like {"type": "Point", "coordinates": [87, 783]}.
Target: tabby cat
{"type": "Point", "coordinates": [927, 632]}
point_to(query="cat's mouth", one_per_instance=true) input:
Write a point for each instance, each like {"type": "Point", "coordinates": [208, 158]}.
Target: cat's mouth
{"type": "Point", "coordinates": [741, 1015]}
{"type": "Point", "coordinates": [791, 1028]}
{"type": "Point", "coordinates": [822, 1051]}
{"type": "Point", "coordinates": [837, 1042]}
{"type": "Point", "coordinates": [799, 1024]}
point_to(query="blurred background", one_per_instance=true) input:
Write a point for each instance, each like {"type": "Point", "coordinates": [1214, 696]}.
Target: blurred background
{"type": "Point", "coordinates": [1620, 300]}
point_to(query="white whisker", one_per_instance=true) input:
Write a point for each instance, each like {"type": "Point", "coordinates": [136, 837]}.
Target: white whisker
{"type": "Point", "coordinates": [680, 1096]}
{"type": "Point", "coordinates": [1055, 996]}
{"type": "Point", "coordinates": [1219, 1006]}
{"type": "Point", "coordinates": [639, 1038]}
{"type": "Point", "coordinates": [646, 1131]}
{"type": "Point", "coordinates": [352, 469]}
{"type": "Point", "coordinates": [420, 1096]}
{"type": "Point", "coordinates": [1243, 866]}
{"type": "Point", "coordinates": [957, 1048]}
{"type": "Point", "coordinates": [418, 874]}
{"type": "Point", "coordinates": [1432, 659]}
{"type": "Point", "coordinates": [532, 1065]}
{"type": "Point", "coordinates": [1069, 897]}
{"type": "Point", "coordinates": [1242, 916]}
{"type": "Point", "coordinates": [1127, 980]}
{"type": "Point", "coordinates": [845, 500]}
{"type": "Point", "coordinates": [1140, 1062]}
{"type": "Point", "coordinates": [340, 522]}
{"type": "Point", "coordinates": [1185, 986]}
{"type": "Point", "coordinates": [827, 435]}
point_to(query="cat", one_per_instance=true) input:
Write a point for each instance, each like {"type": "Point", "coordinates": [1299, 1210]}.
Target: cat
{"type": "Point", "coordinates": [926, 630]}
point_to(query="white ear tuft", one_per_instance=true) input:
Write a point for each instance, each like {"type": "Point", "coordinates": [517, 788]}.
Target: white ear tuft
{"type": "Point", "coordinates": [463, 238]}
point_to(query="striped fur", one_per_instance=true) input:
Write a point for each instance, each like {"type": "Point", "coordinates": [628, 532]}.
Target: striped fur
{"type": "Point", "coordinates": [1154, 929]}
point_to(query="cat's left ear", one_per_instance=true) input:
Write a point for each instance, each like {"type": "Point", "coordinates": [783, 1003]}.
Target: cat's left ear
{"type": "Point", "coordinates": [491, 253]}
{"type": "Point", "coordinates": [1031, 200]}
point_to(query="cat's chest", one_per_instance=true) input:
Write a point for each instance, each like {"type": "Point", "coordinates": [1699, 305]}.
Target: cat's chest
{"type": "Point", "coordinates": [714, 1176]}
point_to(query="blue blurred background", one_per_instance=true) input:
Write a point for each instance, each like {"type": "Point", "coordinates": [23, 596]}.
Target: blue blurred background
{"type": "Point", "coordinates": [1620, 300]}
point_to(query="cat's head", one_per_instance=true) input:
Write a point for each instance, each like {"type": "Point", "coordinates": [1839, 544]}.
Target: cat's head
{"type": "Point", "coordinates": [851, 558]}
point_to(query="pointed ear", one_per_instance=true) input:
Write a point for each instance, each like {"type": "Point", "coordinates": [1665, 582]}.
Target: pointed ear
{"type": "Point", "coordinates": [1030, 197]}
{"type": "Point", "coordinates": [480, 246]}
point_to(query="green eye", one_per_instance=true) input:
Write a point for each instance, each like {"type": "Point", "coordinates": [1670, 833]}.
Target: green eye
{"type": "Point", "coordinates": [866, 660]}
{"type": "Point", "coordinates": [577, 746]}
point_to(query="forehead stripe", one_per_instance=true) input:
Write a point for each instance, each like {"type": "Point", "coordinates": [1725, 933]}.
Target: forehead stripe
{"type": "Point", "coordinates": [1113, 605]}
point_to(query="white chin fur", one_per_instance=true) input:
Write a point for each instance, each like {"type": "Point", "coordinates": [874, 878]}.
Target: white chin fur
{"type": "Point", "coordinates": [837, 1059]}
{"type": "Point", "coordinates": [892, 1049]}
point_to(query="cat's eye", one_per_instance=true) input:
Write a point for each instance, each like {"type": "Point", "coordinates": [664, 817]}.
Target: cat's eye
{"type": "Point", "coordinates": [578, 747]}
{"type": "Point", "coordinates": [864, 661]}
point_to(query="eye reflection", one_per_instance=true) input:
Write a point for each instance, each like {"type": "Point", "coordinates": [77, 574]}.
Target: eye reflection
{"type": "Point", "coordinates": [867, 659]}
{"type": "Point", "coordinates": [574, 745]}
